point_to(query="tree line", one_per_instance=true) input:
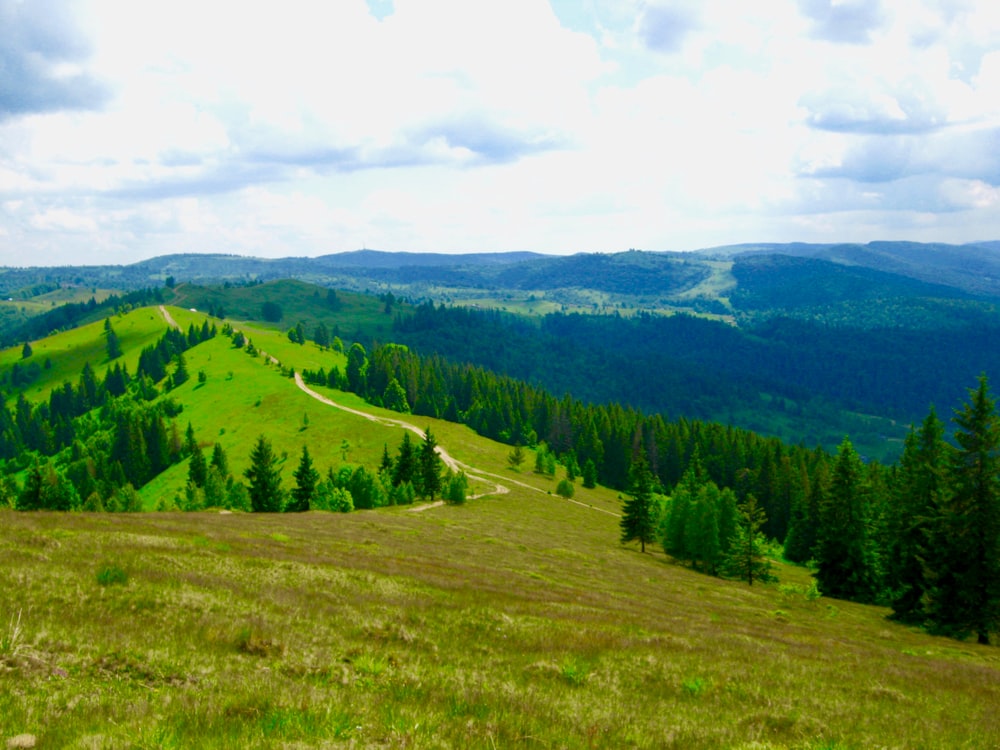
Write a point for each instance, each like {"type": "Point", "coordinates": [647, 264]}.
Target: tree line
{"type": "Point", "coordinates": [922, 537]}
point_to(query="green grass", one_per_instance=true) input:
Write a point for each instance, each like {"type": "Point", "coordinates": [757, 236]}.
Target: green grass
{"type": "Point", "coordinates": [69, 351]}
{"type": "Point", "coordinates": [515, 620]}
{"type": "Point", "coordinates": [358, 314]}
{"type": "Point", "coordinates": [401, 629]}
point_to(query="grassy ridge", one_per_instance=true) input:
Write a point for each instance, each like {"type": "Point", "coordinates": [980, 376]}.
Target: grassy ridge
{"type": "Point", "coordinates": [514, 621]}
{"type": "Point", "coordinates": [69, 351]}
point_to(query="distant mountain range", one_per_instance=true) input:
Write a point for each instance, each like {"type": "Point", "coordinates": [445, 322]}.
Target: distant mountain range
{"type": "Point", "coordinates": [721, 280]}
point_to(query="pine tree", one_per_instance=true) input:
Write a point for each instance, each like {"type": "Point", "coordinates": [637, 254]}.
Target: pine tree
{"type": "Point", "coordinates": [405, 467]}
{"type": "Point", "coordinates": [219, 460]}
{"type": "Point", "coordinates": [265, 478]}
{"type": "Point", "coordinates": [181, 374]}
{"type": "Point", "coordinates": [919, 491]}
{"type": "Point", "coordinates": [847, 566]}
{"type": "Point", "coordinates": [197, 468]}
{"type": "Point", "coordinates": [26, 350]}
{"type": "Point", "coordinates": [112, 344]}
{"type": "Point", "coordinates": [701, 529]}
{"type": "Point", "coordinates": [590, 474]}
{"type": "Point", "coordinates": [516, 457]}
{"type": "Point", "coordinates": [306, 479]}
{"type": "Point", "coordinates": [964, 591]}
{"type": "Point", "coordinates": [745, 559]}
{"type": "Point", "coordinates": [429, 465]}
{"type": "Point", "coordinates": [637, 513]}
{"type": "Point", "coordinates": [672, 531]}
{"type": "Point", "coordinates": [322, 336]}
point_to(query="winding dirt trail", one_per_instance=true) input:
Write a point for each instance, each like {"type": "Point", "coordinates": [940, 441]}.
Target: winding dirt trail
{"type": "Point", "coordinates": [471, 472]}
{"type": "Point", "coordinates": [456, 466]}
{"type": "Point", "coordinates": [168, 317]}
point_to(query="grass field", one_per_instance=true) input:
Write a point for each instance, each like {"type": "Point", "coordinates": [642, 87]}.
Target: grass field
{"type": "Point", "coordinates": [516, 620]}
{"type": "Point", "coordinates": [513, 621]}
{"type": "Point", "coordinates": [69, 351]}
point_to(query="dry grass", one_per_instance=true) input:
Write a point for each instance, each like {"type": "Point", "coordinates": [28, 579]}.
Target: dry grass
{"type": "Point", "coordinates": [515, 621]}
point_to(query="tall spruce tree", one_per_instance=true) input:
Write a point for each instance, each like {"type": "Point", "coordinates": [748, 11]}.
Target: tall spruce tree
{"type": "Point", "coordinates": [429, 466]}
{"type": "Point", "coordinates": [265, 478]}
{"type": "Point", "coordinates": [701, 529]}
{"type": "Point", "coordinates": [847, 564]}
{"type": "Point", "coordinates": [112, 344]}
{"type": "Point", "coordinates": [918, 492]}
{"type": "Point", "coordinates": [197, 467]}
{"type": "Point", "coordinates": [306, 479]}
{"type": "Point", "coordinates": [637, 523]}
{"type": "Point", "coordinates": [964, 591]}
{"type": "Point", "coordinates": [404, 469]}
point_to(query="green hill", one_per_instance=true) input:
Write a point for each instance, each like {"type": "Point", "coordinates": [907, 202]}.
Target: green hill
{"type": "Point", "coordinates": [515, 620]}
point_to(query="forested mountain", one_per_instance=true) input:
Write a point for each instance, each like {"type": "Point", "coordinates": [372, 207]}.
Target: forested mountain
{"type": "Point", "coordinates": [807, 342]}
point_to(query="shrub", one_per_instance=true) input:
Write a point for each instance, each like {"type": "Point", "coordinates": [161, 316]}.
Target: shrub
{"type": "Point", "coordinates": [111, 575]}
{"type": "Point", "coordinates": [565, 488]}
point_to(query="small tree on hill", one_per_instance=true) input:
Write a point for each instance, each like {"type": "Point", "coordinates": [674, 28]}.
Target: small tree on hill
{"type": "Point", "coordinates": [26, 350]}
{"type": "Point", "coordinates": [637, 517]}
{"type": "Point", "coordinates": [265, 478]}
{"type": "Point", "coordinates": [745, 559]}
{"type": "Point", "coordinates": [429, 466]}
{"type": "Point", "coordinates": [516, 457]}
{"type": "Point", "coordinates": [306, 479]}
{"type": "Point", "coordinates": [112, 344]}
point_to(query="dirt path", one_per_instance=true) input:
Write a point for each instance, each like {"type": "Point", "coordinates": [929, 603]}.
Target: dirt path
{"type": "Point", "coordinates": [167, 317]}
{"type": "Point", "coordinates": [471, 472]}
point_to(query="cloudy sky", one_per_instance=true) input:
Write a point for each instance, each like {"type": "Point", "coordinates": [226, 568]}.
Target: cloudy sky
{"type": "Point", "coordinates": [130, 129]}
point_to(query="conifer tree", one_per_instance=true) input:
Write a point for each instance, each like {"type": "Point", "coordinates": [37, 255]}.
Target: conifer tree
{"type": "Point", "coordinates": [112, 343]}
{"type": "Point", "coordinates": [405, 467]}
{"type": "Point", "coordinates": [672, 532]}
{"type": "Point", "coordinates": [219, 460]}
{"type": "Point", "coordinates": [847, 566]}
{"type": "Point", "coordinates": [197, 468]}
{"type": "Point", "coordinates": [701, 529]}
{"type": "Point", "coordinates": [26, 350]}
{"type": "Point", "coordinates": [181, 374]}
{"type": "Point", "coordinates": [516, 457]}
{"type": "Point", "coordinates": [637, 513]}
{"type": "Point", "coordinates": [429, 467]}
{"type": "Point", "coordinates": [919, 491]}
{"type": "Point", "coordinates": [265, 478]}
{"type": "Point", "coordinates": [590, 474]}
{"type": "Point", "coordinates": [745, 559]}
{"type": "Point", "coordinates": [964, 591]}
{"type": "Point", "coordinates": [306, 479]}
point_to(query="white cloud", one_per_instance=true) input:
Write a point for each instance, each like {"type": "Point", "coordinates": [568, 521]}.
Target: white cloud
{"type": "Point", "coordinates": [447, 125]}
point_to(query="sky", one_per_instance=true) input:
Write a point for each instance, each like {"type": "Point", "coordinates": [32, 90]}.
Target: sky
{"type": "Point", "coordinates": [133, 128]}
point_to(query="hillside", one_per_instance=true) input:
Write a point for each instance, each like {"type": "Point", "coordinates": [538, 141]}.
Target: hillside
{"type": "Point", "coordinates": [514, 621]}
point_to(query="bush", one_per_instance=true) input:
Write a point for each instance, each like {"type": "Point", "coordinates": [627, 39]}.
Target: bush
{"type": "Point", "coordinates": [111, 575]}
{"type": "Point", "coordinates": [565, 488]}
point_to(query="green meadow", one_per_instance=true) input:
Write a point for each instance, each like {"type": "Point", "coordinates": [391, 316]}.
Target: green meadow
{"type": "Point", "coordinates": [515, 620]}
{"type": "Point", "coordinates": [67, 352]}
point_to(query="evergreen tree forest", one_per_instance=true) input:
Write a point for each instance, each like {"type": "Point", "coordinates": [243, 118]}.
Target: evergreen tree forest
{"type": "Point", "coordinates": [922, 536]}
{"type": "Point", "coordinates": [93, 443]}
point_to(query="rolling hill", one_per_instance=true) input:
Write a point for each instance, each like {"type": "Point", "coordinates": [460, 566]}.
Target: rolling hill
{"type": "Point", "coordinates": [516, 619]}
